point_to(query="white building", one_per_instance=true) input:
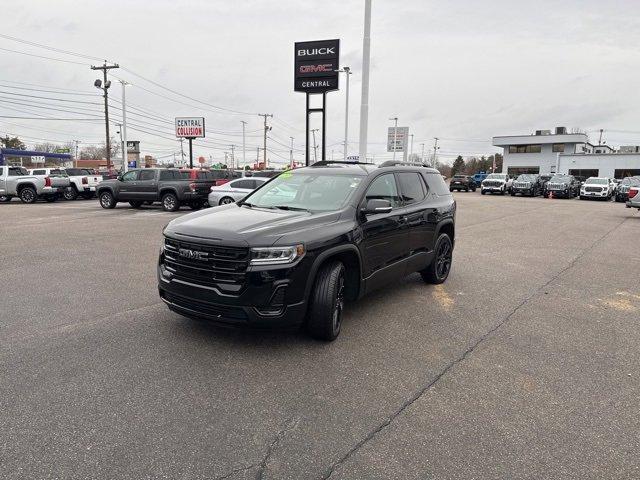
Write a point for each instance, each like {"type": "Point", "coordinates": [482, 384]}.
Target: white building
{"type": "Point", "coordinates": [547, 153]}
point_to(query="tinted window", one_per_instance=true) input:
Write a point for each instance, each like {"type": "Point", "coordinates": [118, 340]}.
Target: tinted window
{"type": "Point", "coordinates": [17, 171]}
{"type": "Point", "coordinates": [249, 184]}
{"type": "Point", "coordinates": [437, 184]}
{"type": "Point", "coordinates": [384, 188]}
{"type": "Point", "coordinates": [74, 172]}
{"type": "Point", "coordinates": [130, 176]}
{"type": "Point", "coordinates": [167, 175]}
{"type": "Point", "coordinates": [57, 173]}
{"type": "Point", "coordinates": [39, 172]}
{"type": "Point", "coordinates": [412, 187]}
{"type": "Point", "coordinates": [204, 175]}
{"type": "Point", "coordinates": [147, 175]}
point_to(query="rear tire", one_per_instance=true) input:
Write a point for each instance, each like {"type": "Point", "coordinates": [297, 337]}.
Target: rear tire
{"type": "Point", "coordinates": [438, 271]}
{"type": "Point", "coordinates": [195, 205]}
{"type": "Point", "coordinates": [483, 192]}
{"type": "Point", "coordinates": [28, 195]}
{"type": "Point", "coordinates": [106, 200]}
{"type": "Point", "coordinates": [324, 319]}
{"type": "Point", "coordinates": [170, 202]}
{"type": "Point", "coordinates": [5, 198]}
{"type": "Point", "coordinates": [50, 198]}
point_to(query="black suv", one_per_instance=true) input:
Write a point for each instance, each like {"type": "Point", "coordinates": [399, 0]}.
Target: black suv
{"type": "Point", "coordinates": [292, 251]}
{"type": "Point", "coordinates": [463, 182]}
{"type": "Point", "coordinates": [527, 184]}
{"type": "Point", "coordinates": [561, 185]}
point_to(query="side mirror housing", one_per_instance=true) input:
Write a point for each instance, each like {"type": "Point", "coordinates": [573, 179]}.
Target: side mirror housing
{"type": "Point", "coordinates": [377, 205]}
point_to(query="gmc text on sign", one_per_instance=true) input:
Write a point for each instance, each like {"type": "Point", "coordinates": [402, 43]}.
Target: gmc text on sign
{"type": "Point", "coordinates": [190, 127]}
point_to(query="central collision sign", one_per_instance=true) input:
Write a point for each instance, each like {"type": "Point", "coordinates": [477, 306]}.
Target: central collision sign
{"type": "Point", "coordinates": [190, 127]}
{"type": "Point", "coordinates": [315, 65]}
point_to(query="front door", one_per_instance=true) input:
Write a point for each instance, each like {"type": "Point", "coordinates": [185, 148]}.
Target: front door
{"type": "Point", "coordinates": [128, 183]}
{"type": "Point", "coordinates": [147, 187]}
{"type": "Point", "coordinates": [384, 241]}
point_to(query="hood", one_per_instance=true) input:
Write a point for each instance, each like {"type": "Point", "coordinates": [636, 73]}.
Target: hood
{"type": "Point", "coordinates": [244, 226]}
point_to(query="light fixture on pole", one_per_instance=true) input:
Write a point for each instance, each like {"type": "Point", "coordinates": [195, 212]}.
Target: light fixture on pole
{"type": "Point", "coordinates": [104, 86]}
{"type": "Point", "coordinates": [347, 71]}
{"type": "Point", "coordinates": [395, 136]}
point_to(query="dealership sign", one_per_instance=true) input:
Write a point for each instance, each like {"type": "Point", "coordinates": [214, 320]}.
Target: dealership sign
{"type": "Point", "coordinates": [397, 139]}
{"type": "Point", "coordinates": [190, 127]}
{"type": "Point", "coordinates": [315, 66]}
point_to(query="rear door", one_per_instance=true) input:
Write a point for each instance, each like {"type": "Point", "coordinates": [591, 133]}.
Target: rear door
{"type": "Point", "coordinates": [147, 185]}
{"type": "Point", "coordinates": [417, 212]}
{"type": "Point", "coordinates": [385, 236]}
{"type": "Point", "coordinates": [241, 188]}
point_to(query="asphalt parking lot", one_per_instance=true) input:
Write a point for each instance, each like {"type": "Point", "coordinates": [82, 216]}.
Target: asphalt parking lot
{"type": "Point", "coordinates": [524, 364]}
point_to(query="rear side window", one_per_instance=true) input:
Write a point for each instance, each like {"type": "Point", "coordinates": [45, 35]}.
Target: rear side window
{"type": "Point", "coordinates": [436, 184]}
{"type": "Point", "coordinates": [411, 187]}
{"type": "Point", "coordinates": [147, 175]}
{"type": "Point", "coordinates": [184, 175]}
{"type": "Point", "coordinates": [166, 175]}
{"type": "Point", "coordinates": [17, 171]}
{"type": "Point", "coordinates": [39, 172]}
{"type": "Point", "coordinates": [243, 184]}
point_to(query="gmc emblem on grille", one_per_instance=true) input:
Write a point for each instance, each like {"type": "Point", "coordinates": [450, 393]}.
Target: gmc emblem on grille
{"type": "Point", "coordinates": [192, 254]}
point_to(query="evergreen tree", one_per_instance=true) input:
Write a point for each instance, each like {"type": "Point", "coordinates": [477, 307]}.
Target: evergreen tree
{"type": "Point", "coordinates": [458, 166]}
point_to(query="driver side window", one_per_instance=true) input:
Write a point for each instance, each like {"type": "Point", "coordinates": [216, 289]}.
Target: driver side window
{"type": "Point", "coordinates": [130, 176]}
{"type": "Point", "coordinates": [384, 188]}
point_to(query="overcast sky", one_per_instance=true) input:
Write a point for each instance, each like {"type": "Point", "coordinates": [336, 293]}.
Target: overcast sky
{"type": "Point", "coordinates": [462, 71]}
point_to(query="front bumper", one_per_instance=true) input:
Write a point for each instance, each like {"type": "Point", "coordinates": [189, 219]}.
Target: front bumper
{"type": "Point", "coordinates": [604, 194]}
{"type": "Point", "coordinates": [269, 298]}
{"type": "Point", "coordinates": [560, 193]}
{"type": "Point", "coordinates": [493, 188]}
{"type": "Point", "coordinates": [522, 191]}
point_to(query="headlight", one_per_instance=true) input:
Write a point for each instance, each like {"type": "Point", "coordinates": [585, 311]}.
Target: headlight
{"type": "Point", "coordinates": [276, 255]}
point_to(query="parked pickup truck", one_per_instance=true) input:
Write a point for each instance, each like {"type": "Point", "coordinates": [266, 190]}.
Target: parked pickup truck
{"type": "Point", "coordinates": [58, 177]}
{"type": "Point", "coordinates": [16, 182]}
{"type": "Point", "coordinates": [146, 185]}
{"type": "Point", "coordinates": [82, 182]}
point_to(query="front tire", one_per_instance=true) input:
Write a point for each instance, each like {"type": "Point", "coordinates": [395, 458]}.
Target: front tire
{"type": "Point", "coordinates": [70, 193]}
{"type": "Point", "coordinates": [438, 271]}
{"type": "Point", "coordinates": [170, 202]}
{"type": "Point", "coordinates": [107, 201]}
{"type": "Point", "coordinates": [483, 192]}
{"type": "Point", "coordinates": [5, 198]}
{"type": "Point", "coordinates": [324, 319]}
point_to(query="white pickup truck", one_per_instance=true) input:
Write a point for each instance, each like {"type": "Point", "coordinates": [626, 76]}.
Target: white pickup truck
{"type": "Point", "coordinates": [16, 182]}
{"type": "Point", "coordinates": [82, 183]}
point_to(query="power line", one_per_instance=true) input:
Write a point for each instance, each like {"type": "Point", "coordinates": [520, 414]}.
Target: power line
{"type": "Point", "coordinates": [47, 47]}
{"type": "Point", "coordinates": [42, 56]}
{"type": "Point", "coordinates": [49, 98]}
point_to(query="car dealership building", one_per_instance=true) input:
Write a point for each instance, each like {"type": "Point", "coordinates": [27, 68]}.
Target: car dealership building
{"type": "Point", "coordinates": [547, 153]}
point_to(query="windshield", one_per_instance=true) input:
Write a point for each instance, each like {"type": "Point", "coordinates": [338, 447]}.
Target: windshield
{"type": "Point", "coordinates": [560, 179]}
{"type": "Point", "coordinates": [597, 181]}
{"type": "Point", "coordinates": [315, 192]}
{"type": "Point", "coordinates": [496, 176]}
{"type": "Point", "coordinates": [527, 178]}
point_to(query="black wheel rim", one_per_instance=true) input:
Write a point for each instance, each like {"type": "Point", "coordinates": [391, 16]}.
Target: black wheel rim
{"type": "Point", "coordinates": [105, 200]}
{"type": "Point", "coordinates": [339, 306]}
{"type": "Point", "coordinates": [443, 258]}
{"type": "Point", "coordinates": [27, 195]}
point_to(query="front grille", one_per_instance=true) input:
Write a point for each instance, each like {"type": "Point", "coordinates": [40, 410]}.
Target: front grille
{"type": "Point", "coordinates": [215, 264]}
{"type": "Point", "coordinates": [556, 186]}
{"type": "Point", "coordinates": [492, 183]}
{"type": "Point", "coordinates": [205, 309]}
{"type": "Point", "coordinates": [593, 189]}
{"type": "Point", "coordinates": [522, 185]}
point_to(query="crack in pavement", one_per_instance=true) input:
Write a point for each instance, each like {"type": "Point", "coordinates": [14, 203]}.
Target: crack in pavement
{"type": "Point", "coordinates": [262, 464]}
{"type": "Point", "coordinates": [332, 468]}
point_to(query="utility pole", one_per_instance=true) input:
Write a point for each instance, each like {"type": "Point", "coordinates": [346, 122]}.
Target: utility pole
{"type": "Point", "coordinates": [291, 153]}
{"type": "Point", "coordinates": [315, 147]}
{"type": "Point", "coordinates": [105, 88]}
{"type": "Point", "coordinates": [422, 157]}
{"type": "Point", "coordinates": [125, 153]}
{"type": "Point", "coordinates": [435, 151]}
{"type": "Point", "coordinates": [364, 102]}
{"type": "Point", "coordinates": [120, 133]}
{"type": "Point", "coordinates": [395, 136]}
{"type": "Point", "coordinates": [244, 151]}
{"type": "Point", "coordinates": [411, 148]}
{"type": "Point", "coordinates": [600, 139]}
{"type": "Point", "coordinates": [233, 158]}
{"type": "Point", "coordinates": [182, 150]}
{"type": "Point", "coordinates": [76, 156]}
{"type": "Point", "coordinates": [266, 129]}
{"type": "Point", "coordinates": [257, 156]}
{"type": "Point", "coordinates": [225, 159]}
{"type": "Point", "coordinates": [347, 71]}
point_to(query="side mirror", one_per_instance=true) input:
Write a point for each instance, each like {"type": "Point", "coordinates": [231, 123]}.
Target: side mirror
{"type": "Point", "coordinates": [377, 205]}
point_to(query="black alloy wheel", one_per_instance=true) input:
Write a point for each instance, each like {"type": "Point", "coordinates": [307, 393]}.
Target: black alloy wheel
{"type": "Point", "coordinates": [438, 271]}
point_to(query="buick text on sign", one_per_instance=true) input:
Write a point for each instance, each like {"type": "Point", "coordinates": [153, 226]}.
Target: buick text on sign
{"type": "Point", "coordinates": [190, 127]}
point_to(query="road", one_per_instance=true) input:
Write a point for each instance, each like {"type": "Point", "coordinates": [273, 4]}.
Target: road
{"type": "Point", "coordinates": [523, 365]}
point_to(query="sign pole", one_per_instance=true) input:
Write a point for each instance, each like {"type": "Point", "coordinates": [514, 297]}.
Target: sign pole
{"type": "Point", "coordinates": [306, 134]}
{"type": "Point", "coordinates": [190, 152]}
{"type": "Point", "coordinates": [324, 125]}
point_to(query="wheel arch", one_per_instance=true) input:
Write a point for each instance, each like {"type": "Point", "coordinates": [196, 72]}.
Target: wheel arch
{"type": "Point", "coordinates": [349, 255]}
{"type": "Point", "coordinates": [22, 186]}
{"type": "Point", "coordinates": [166, 190]}
{"type": "Point", "coordinates": [447, 226]}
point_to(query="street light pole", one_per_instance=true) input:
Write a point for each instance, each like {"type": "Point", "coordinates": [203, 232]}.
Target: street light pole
{"type": "Point", "coordinates": [347, 71]}
{"type": "Point", "coordinates": [395, 136]}
{"type": "Point", "coordinates": [364, 102]}
{"type": "Point", "coordinates": [125, 153]}
{"type": "Point", "coordinates": [422, 157]}
{"type": "Point", "coordinates": [411, 148]}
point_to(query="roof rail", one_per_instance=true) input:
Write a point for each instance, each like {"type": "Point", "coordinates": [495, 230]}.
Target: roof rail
{"type": "Point", "coordinates": [396, 163]}
{"type": "Point", "coordinates": [322, 163]}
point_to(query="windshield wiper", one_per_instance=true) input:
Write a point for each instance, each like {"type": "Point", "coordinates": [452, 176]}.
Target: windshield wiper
{"type": "Point", "coordinates": [288, 207]}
